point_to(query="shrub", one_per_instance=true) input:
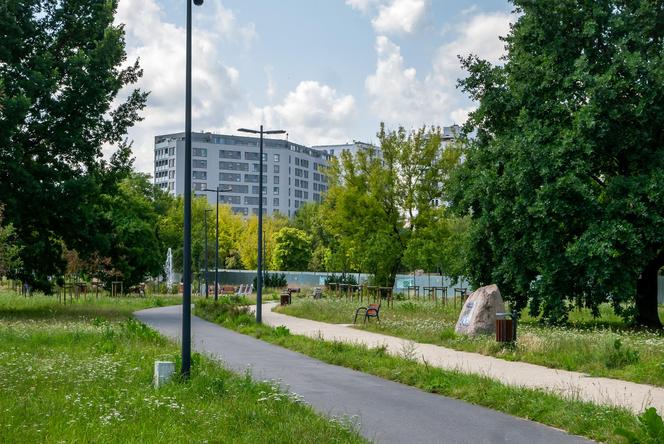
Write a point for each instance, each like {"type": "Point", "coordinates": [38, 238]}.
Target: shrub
{"type": "Point", "coordinates": [620, 355]}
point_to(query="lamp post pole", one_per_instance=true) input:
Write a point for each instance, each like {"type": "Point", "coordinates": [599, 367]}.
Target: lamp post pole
{"type": "Point", "coordinates": [186, 250]}
{"type": "Point", "coordinates": [206, 253]}
{"type": "Point", "coordinates": [216, 256]}
{"type": "Point", "coordinates": [259, 277]}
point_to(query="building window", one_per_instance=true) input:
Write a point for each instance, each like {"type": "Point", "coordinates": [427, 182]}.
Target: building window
{"type": "Point", "coordinates": [316, 197]}
{"type": "Point", "coordinates": [306, 194]}
{"type": "Point", "coordinates": [254, 190]}
{"type": "Point", "coordinates": [171, 151]}
{"type": "Point", "coordinates": [297, 203]}
{"type": "Point", "coordinates": [297, 161]}
{"type": "Point", "coordinates": [304, 184]}
{"type": "Point", "coordinates": [252, 200]}
{"type": "Point", "coordinates": [304, 163]}
{"type": "Point", "coordinates": [240, 210]}
{"type": "Point", "coordinates": [200, 152]}
{"type": "Point", "coordinates": [226, 199]}
{"type": "Point", "coordinates": [199, 175]}
{"type": "Point", "coordinates": [275, 201]}
{"type": "Point", "coordinates": [315, 186]}
{"type": "Point", "coordinates": [298, 193]}
{"type": "Point", "coordinates": [276, 159]}
{"type": "Point", "coordinates": [276, 190]}
{"type": "Point", "coordinates": [248, 155]}
{"type": "Point", "coordinates": [298, 172]}
{"type": "Point", "coordinates": [199, 186]}
{"type": "Point", "coordinates": [316, 176]}
{"type": "Point", "coordinates": [297, 182]}
{"type": "Point", "coordinates": [239, 188]}
{"type": "Point", "coordinates": [276, 169]}
{"type": "Point", "coordinates": [171, 174]}
{"type": "Point", "coordinates": [256, 167]}
{"type": "Point", "coordinates": [171, 163]}
{"type": "Point", "coordinates": [233, 166]}
{"type": "Point", "coordinates": [230, 154]}
{"type": "Point", "coordinates": [253, 178]}
{"type": "Point", "coordinates": [276, 180]}
{"type": "Point", "coordinates": [199, 163]}
{"type": "Point", "coordinates": [305, 174]}
{"type": "Point", "coordinates": [230, 177]}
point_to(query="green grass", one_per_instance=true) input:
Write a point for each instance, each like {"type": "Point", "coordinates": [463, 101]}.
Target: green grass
{"type": "Point", "coordinates": [83, 373]}
{"type": "Point", "coordinates": [576, 417]}
{"type": "Point", "coordinates": [599, 347]}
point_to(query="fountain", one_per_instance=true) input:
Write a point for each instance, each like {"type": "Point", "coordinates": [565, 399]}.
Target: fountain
{"type": "Point", "coordinates": [168, 271]}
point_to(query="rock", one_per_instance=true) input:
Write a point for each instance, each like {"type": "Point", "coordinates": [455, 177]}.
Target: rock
{"type": "Point", "coordinates": [478, 315]}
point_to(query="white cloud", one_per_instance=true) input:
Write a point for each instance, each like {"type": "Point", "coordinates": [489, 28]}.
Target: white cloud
{"type": "Point", "coordinates": [160, 47]}
{"type": "Point", "coordinates": [312, 114]}
{"type": "Point", "coordinates": [399, 96]}
{"type": "Point", "coordinates": [392, 16]}
{"type": "Point", "coordinates": [399, 16]}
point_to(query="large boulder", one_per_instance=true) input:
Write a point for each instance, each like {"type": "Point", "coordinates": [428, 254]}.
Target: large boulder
{"type": "Point", "coordinates": [478, 315]}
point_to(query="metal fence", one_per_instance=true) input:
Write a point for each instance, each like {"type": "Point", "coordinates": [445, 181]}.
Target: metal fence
{"type": "Point", "coordinates": [315, 279]}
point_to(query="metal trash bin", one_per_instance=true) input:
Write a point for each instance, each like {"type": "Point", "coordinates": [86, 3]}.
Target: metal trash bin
{"type": "Point", "coordinates": [285, 298]}
{"type": "Point", "coordinates": [506, 327]}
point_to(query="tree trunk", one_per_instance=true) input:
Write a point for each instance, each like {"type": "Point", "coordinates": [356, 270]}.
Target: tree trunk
{"type": "Point", "coordinates": [646, 294]}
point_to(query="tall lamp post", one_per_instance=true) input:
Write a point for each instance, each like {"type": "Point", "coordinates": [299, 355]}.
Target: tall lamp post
{"type": "Point", "coordinates": [216, 256]}
{"type": "Point", "coordinates": [259, 278]}
{"type": "Point", "coordinates": [206, 253]}
{"type": "Point", "coordinates": [186, 250]}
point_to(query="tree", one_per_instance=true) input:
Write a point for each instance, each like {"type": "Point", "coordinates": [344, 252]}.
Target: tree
{"type": "Point", "coordinates": [135, 247]}
{"type": "Point", "coordinates": [60, 67]}
{"type": "Point", "coordinates": [377, 204]}
{"type": "Point", "coordinates": [247, 243]}
{"type": "Point", "coordinates": [292, 249]}
{"type": "Point", "coordinates": [9, 249]}
{"type": "Point", "coordinates": [565, 177]}
{"type": "Point", "coordinates": [308, 218]}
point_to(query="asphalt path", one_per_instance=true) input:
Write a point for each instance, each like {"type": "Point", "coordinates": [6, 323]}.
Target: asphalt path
{"type": "Point", "coordinates": [385, 411]}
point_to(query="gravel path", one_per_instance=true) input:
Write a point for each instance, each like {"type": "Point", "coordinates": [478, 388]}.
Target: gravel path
{"type": "Point", "coordinates": [633, 396]}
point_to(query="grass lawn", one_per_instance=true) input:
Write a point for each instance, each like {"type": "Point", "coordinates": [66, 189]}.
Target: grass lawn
{"type": "Point", "coordinates": [577, 417]}
{"type": "Point", "coordinates": [83, 373]}
{"type": "Point", "coordinates": [602, 347]}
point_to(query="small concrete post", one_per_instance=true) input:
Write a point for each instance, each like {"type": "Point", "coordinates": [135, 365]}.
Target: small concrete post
{"type": "Point", "coordinates": [163, 372]}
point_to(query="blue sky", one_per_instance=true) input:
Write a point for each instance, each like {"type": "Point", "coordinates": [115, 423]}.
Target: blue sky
{"type": "Point", "coordinates": [327, 71]}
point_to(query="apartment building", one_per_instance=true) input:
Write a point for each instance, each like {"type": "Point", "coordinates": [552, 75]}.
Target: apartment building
{"type": "Point", "coordinates": [292, 173]}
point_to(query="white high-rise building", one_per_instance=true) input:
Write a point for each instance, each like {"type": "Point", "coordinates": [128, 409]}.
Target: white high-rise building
{"type": "Point", "coordinates": [291, 172]}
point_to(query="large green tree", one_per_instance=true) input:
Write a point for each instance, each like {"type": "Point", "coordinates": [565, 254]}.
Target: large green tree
{"type": "Point", "coordinates": [564, 178]}
{"type": "Point", "coordinates": [379, 202]}
{"type": "Point", "coordinates": [61, 67]}
{"type": "Point", "coordinates": [292, 249]}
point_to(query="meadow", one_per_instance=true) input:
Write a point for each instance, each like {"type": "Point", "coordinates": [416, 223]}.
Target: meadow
{"type": "Point", "coordinates": [83, 373]}
{"type": "Point", "coordinates": [601, 423]}
{"type": "Point", "coordinates": [600, 347]}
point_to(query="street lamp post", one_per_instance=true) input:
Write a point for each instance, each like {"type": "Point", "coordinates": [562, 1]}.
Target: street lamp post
{"type": "Point", "coordinates": [216, 256]}
{"type": "Point", "coordinates": [206, 253]}
{"type": "Point", "coordinates": [186, 250]}
{"type": "Point", "coordinates": [259, 278]}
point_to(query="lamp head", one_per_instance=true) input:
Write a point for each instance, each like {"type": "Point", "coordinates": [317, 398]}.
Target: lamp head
{"type": "Point", "coordinates": [198, 2]}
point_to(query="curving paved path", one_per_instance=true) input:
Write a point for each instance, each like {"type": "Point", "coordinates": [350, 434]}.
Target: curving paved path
{"type": "Point", "coordinates": [386, 412]}
{"type": "Point", "coordinates": [607, 391]}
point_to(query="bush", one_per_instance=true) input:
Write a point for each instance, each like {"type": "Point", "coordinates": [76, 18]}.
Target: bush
{"type": "Point", "coordinates": [341, 279]}
{"type": "Point", "coordinates": [272, 280]}
{"type": "Point", "coordinates": [651, 429]}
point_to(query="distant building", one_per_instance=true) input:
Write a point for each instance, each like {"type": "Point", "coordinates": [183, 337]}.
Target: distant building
{"type": "Point", "coordinates": [291, 172]}
{"type": "Point", "coordinates": [352, 148]}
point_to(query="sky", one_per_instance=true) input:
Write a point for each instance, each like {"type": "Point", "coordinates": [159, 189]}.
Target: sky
{"type": "Point", "coordinates": [326, 71]}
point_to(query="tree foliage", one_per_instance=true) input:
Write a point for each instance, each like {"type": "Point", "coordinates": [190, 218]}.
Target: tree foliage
{"type": "Point", "coordinates": [61, 68]}
{"type": "Point", "coordinates": [377, 205]}
{"type": "Point", "coordinates": [9, 248]}
{"type": "Point", "coordinates": [565, 177]}
{"type": "Point", "coordinates": [292, 249]}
